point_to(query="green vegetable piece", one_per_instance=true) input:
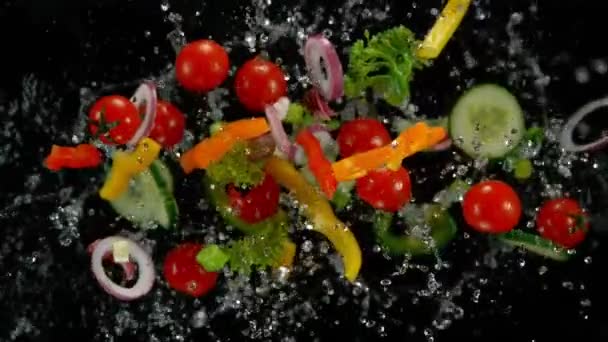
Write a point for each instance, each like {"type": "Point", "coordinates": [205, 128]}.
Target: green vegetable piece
{"type": "Point", "coordinates": [386, 64]}
{"type": "Point", "coordinates": [295, 114]}
{"type": "Point", "coordinates": [523, 169]}
{"type": "Point", "coordinates": [212, 258]}
{"type": "Point", "coordinates": [235, 168]}
{"type": "Point", "coordinates": [259, 250]}
{"type": "Point", "coordinates": [343, 195]}
{"type": "Point", "coordinates": [536, 244]}
{"type": "Point", "coordinates": [333, 125]}
{"type": "Point", "coordinates": [216, 127]}
{"type": "Point", "coordinates": [442, 226]}
{"type": "Point", "coordinates": [219, 199]}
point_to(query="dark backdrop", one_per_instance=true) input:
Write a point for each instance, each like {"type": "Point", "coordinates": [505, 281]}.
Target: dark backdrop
{"type": "Point", "coordinates": [71, 43]}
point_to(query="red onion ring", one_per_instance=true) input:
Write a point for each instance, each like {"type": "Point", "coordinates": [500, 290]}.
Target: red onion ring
{"type": "Point", "coordinates": [443, 145]}
{"type": "Point", "coordinates": [146, 95]}
{"type": "Point", "coordinates": [330, 83]}
{"type": "Point", "coordinates": [273, 114]}
{"type": "Point", "coordinates": [144, 263]}
{"type": "Point", "coordinates": [565, 139]}
{"type": "Point", "coordinates": [317, 127]}
{"type": "Point", "coordinates": [320, 108]}
{"type": "Point", "coordinates": [127, 267]}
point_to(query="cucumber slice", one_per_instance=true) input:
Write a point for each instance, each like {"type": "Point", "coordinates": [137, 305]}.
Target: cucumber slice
{"type": "Point", "coordinates": [487, 121]}
{"type": "Point", "coordinates": [536, 245]}
{"type": "Point", "coordinates": [149, 200]}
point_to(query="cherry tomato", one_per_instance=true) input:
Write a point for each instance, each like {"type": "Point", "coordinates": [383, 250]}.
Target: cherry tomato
{"type": "Point", "coordinates": [202, 65]}
{"type": "Point", "coordinates": [257, 204]}
{"type": "Point", "coordinates": [184, 274]}
{"type": "Point", "coordinates": [562, 221]}
{"type": "Point", "coordinates": [114, 119]}
{"type": "Point", "coordinates": [491, 207]}
{"type": "Point", "coordinates": [259, 83]}
{"type": "Point", "coordinates": [385, 189]}
{"type": "Point", "coordinates": [169, 124]}
{"type": "Point", "coordinates": [360, 135]}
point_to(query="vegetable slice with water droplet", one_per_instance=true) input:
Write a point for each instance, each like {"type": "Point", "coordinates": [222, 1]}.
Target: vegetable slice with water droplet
{"type": "Point", "coordinates": [149, 198]}
{"type": "Point", "coordinates": [487, 121]}
{"type": "Point", "coordinates": [536, 245]}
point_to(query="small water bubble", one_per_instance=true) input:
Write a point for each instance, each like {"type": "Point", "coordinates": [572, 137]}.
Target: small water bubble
{"type": "Point", "coordinates": [585, 302]}
{"type": "Point", "coordinates": [542, 270]}
{"type": "Point", "coordinates": [476, 295]}
{"type": "Point", "coordinates": [588, 260]}
{"type": "Point", "coordinates": [164, 6]}
{"type": "Point", "coordinates": [568, 285]}
{"type": "Point", "coordinates": [307, 246]}
{"type": "Point", "coordinates": [582, 75]}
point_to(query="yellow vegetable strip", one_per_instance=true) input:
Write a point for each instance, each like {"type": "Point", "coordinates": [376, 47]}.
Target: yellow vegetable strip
{"type": "Point", "coordinates": [443, 29]}
{"type": "Point", "coordinates": [127, 165]}
{"type": "Point", "coordinates": [318, 210]}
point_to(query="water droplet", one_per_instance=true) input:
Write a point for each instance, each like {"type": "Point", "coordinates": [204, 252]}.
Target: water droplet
{"type": "Point", "coordinates": [588, 260]}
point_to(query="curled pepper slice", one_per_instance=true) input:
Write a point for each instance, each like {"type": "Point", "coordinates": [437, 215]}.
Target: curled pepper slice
{"type": "Point", "coordinates": [442, 231]}
{"type": "Point", "coordinates": [318, 164]}
{"type": "Point", "coordinates": [319, 212]}
{"type": "Point", "coordinates": [413, 139]}
{"type": "Point", "coordinates": [78, 157]}
{"type": "Point", "coordinates": [126, 165]}
{"type": "Point", "coordinates": [443, 29]}
{"type": "Point", "coordinates": [216, 146]}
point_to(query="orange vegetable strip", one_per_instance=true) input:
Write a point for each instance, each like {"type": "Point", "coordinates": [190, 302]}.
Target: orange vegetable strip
{"type": "Point", "coordinates": [414, 139]}
{"type": "Point", "coordinates": [215, 147]}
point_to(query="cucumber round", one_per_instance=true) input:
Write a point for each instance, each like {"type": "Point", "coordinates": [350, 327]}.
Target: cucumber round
{"type": "Point", "coordinates": [487, 121]}
{"type": "Point", "coordinates": [536, 245]}
{"type": "Point", "coordinates": [149, 200]}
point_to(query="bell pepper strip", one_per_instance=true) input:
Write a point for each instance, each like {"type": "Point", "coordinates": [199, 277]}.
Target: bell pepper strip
{"type": "Point", "coordinates": [219, 198]}
{"type": "Point", "coordinates": [443, 29]}
{"type": "Point", "coordinates": [317, 163]}
{"type": "Point", "coordinates": [289, 254]}
{"type": "Point", "coordinates": [318, 210]}
{"type": "Point", "coordinates": [443, 230]}
{"type": "Point", "coordinates": [78, 157]}
{"type": "Point", "coordinates": [213, 148]}
{"type": "Point", "coordinates": [413, 139]}
{"type": "Point", "coordinates": [126, 165]}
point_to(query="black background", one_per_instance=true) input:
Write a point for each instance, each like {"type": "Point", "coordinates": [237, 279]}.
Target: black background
{"type": "Point", "coordinates": [71, 43]}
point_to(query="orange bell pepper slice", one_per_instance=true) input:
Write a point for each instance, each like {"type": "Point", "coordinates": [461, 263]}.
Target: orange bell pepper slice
{"type": "Point", "coordinates": [215, 147]}
{"type": "Point", "coordinates": [414, 139]}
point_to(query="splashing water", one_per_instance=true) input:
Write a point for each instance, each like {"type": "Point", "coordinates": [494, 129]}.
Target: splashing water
{"type": "Point", "coordinates": [264, 306]}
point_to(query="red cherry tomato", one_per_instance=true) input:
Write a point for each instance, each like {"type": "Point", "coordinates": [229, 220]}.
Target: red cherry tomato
{"type": "Point", "coordinates": [202, 65]}
{"type": "Point", "coordinates": [491, 207]}
{"type": "Point", "coordinates": [257, 204]}
{"type": "Point", "coordinates": [259, 83]}
{"type": "Point", "coordinates": [169, 124]}
{"type": "Point", "coordinates": [114, 119]}
{"type": "Point", "coordinates": [385, 189]}
{"type": "Point", "coordinates": [184, 274]}
{"type": "Point", "coordinates": [562, 221]}
{"type": "Point", "coordinates": [360, 135]}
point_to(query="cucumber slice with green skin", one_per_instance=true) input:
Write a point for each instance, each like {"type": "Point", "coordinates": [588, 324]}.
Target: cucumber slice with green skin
{"type": "Point", "coordinates": [536, 244]}
{"type": "Point", "coordinates": [487, 122]}
{"type": "Point", "coordinates": [149, 199]}
{"type": "Point", "coordinates": [443, 230]}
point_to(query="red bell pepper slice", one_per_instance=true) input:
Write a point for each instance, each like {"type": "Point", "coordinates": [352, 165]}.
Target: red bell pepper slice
{"type": "Point", "coordinates": [81, 156]}
{"type": "Point", "coordinates": [318, 164]}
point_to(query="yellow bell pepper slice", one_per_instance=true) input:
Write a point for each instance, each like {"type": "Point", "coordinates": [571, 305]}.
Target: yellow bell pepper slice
{"type": "Point", "coordinates": [443, 29]}
{"type": "Point", "coordinates": [126, 165]}
{"type": "Point", "coordinates": [414, 139]}
{"type": "Point", "coordinates": [318, 210]}
{"type": "Point", "coordinates": [289, 253]}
